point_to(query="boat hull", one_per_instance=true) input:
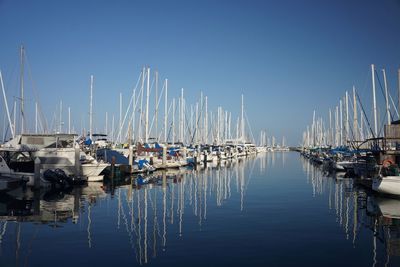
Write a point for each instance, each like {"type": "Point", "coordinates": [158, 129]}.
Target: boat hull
{"type": "Point", "coordinates": [387, 185]}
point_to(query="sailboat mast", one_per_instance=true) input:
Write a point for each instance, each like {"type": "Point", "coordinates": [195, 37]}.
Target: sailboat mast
{"type": "Point", "coordinates": [181, 118]}
{"type": "Point", "coordinates": [330, 128]}
{"type": "Point", "coordinates": [120, 117]}
{"type": "Point", "coordinates": [15, 116]}
{"type": "Point", "coordinates": [206, 121]}
{"type": "Point", "coordinates": [36, 117]}
{"type": "Point", "coordinates": [69, 120]}
{"type": "Point", "coordinates": [337, 126]}
{"type": "Point", "coordinates": [341, 121]}
{"type": "Point", "coordinates": [156, 104]}
{"type": "Point", "coordinates": [147, 107]}
{"type": "Point", "coordinates": [313, 129]}
{"type": "Point", "coordinates": [22, 51]}
{"type": "Point", "coordinates": [398, 79]}
{"type": "Point", "coordinates": [386, 98]}
{"type": "Point", "coordinates": [6, 105]}
{"type": "Point", "coordinates": [355, 115]}
{"type": "Point", "coordinates": [242, 119]}
{"type": "Point", "coordinates": [106, 128]}
{"type": "Point", "coordinates": [347, 117]}
{"type": "Point", "coordinates": [201, 128]}
{"type": "Point", "coordinates": [173, 121]}
{"type": "Point", "coordinates": [374, 100]}
{"type": "Point", "coordinates": [60, 118]}
{"type": "Point", "coordinates": [165, 110]}
{"type": "Point", "coordinates": [112, 128]}
{"type": "Point", "coordinates": [91, 109]}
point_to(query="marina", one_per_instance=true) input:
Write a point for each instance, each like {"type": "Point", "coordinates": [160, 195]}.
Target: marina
{"type": "Point", "coordinates": [199, 133]}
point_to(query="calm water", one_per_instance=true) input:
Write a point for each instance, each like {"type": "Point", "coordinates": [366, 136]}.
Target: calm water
{"type": "Point", "coordinates": [272, 210]}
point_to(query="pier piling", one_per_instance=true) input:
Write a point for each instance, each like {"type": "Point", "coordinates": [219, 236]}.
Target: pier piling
{"type": "Point", "coordinates": [131, 159]}
{"type": "Point", "coordinates": [37, 173]}
{"type": "Point", "coordinates": [164, 157]}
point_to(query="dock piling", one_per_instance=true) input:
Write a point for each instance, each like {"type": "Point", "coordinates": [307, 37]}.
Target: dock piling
{"type": "Point", "coordinates": [37, 173]}
{"type": "Point", "coordinates": [164, 157]}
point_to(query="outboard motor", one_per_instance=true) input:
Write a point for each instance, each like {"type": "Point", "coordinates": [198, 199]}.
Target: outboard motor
{"type": "Point", "coordinates": [57, 177]}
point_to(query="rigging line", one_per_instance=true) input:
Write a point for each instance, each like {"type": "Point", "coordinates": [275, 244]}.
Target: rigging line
{"type": "Point", "coordinates": [157, 106]}
{"type": "Point", "coordinates": [380, 85]}
{"type": "Point", "coordinates": [365, 116]}
{"type": "Point", "coordinates": [162, 128]}
{"type": "Point", "coordinates": [35, 92]}
{"type": "Point", "coordinates": [127, 111]}
{"type": "Point", "coordinates": [170, 125]}
{"type": "Point", "coordinates": [135, 104]}
{"type": "Point", "coordinates": [394, 106]}
{"type": "Point", "coordinates": [248, 124]}
{"type": "Point", "coordinates": [197, 123]}
{"type": "Point", "coordinates": [351, 128]}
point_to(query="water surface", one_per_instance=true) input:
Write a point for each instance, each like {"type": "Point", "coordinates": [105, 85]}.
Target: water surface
{"type": "Point", "coordinates": [275, 209]}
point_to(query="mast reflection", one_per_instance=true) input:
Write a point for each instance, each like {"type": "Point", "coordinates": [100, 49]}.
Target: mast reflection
{"type": "Point", "coordinates": [357, 209]}
{"type": "Point", "coordinates": [149, 210]}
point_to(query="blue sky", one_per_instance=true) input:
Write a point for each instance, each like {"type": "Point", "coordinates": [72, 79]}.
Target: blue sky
{"type": "Point", "coordinates": [287, 57]}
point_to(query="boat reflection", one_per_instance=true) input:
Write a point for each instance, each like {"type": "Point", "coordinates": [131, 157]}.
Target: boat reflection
{"type": "Point", "coordinates": [150, 210]}
{"type": "Point", "coordinates": [356, 209]}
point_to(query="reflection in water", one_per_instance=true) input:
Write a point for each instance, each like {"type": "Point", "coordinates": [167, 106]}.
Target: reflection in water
{"type": "Point", "coordinates": [148, 213]}
{"type": "Point", "coordinates": [357, 209]}
{"type": "Point", "coordinates": [144, 218]}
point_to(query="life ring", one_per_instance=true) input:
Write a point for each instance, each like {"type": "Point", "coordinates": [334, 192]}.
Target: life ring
{"type": "Point", "coordinates": [387, 162]}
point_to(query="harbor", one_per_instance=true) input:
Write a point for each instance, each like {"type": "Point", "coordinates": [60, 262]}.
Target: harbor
{"type": "Point", "coordinates": [199, 133]}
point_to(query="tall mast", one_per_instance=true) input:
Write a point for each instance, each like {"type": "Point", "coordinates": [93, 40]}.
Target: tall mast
{"type": "Point", "coordinates": [106, 128]}
{"type": "Point", "coordinates": [313, 129]}
{"type": "Point", "coordinates": [60, 119]}
{"type": "Point", "coordinates": [156, 111]}
{"type": "Point", "coordinates": [173, 121]}
{"type": "Point", "coordinates": [386, 98]}
{"type": "Point", "coordinates": [201, 128]}
{"type": "Point", "coordinates": [91, 109]}
{"type": "Point", "coordinates": [22, 52]}
{"type": "Point", "coordinates": [398, 75]}
{"type": "Point", "coordinates": [69, 120]}
{"type": "Point", "coordinates": [112, 128]}
{"type": "Point", "coordinates": [6, 105]}
{"type": "Point", "coordinates": [15, 116]}
{"type": "Point", "coordinates": [374, 101]}
{"type": "Point", "coordinates": [141, 107]}
{"type": "Point", "coordinates": [165, 110]}
{"type": "Point", "coordinates": [337, 126]}
{"type": "Point", "coordinates": [120, 117]}
{"type": "Point", "coordinates": [206, 121]}
{"type": "Point", "coordinates": [242, 119]}
{"type": "Point", "coordinates": [134, 115]}
{"type": "Point", "coordinates": [330, 128]}
{"type": "Point", "coordinates": [36, 117]}
{"type": "Point", "coordinates": [347, 117]}
{"type": "Point", "coordinates": [181, 118]}
{"type": "Point", "coordinates": [355, 115]}
{"type": "Point", "coordinates": [341, 121]}
{"type": "Point", "coordinates": [146, 138]}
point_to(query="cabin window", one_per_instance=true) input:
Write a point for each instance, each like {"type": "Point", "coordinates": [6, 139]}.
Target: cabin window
{"type": "Point", "coordinates": [35, 140]}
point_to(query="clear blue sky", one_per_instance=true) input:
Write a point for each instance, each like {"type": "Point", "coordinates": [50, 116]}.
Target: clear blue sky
{"type": "Point", "coordinates": [287, 57]}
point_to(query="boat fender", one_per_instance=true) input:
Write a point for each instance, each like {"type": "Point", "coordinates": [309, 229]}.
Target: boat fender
{"type": "Point", "coordinates": [387, 162]}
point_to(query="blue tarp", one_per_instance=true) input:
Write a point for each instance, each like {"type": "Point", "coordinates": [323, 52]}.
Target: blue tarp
{"type": "Point", "coordinates": [88, 141]}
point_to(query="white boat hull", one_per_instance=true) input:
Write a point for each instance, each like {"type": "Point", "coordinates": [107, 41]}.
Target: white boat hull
{"type": "Point", "coordinates": [387, 185]}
